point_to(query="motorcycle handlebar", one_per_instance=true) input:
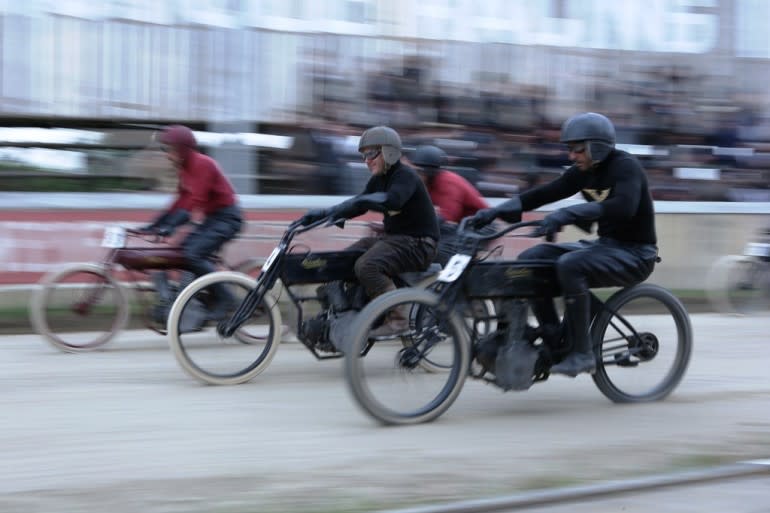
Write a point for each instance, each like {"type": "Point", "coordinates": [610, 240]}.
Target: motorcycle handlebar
{"type": "Point", "coordinates": [467, 229]}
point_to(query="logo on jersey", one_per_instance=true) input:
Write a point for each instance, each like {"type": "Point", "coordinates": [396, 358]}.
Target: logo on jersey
{"type": "Point", "coordinates": [597, 194]}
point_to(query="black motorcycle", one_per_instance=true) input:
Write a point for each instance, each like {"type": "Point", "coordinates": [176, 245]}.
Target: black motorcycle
{"type": "Point", "coordinates": [642, 337]}
{"type": "Point", "coordinates": [324, 297]}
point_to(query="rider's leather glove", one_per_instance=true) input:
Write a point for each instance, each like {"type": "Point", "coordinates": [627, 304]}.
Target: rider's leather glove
{"type": "Point", "coordinates": [483, 217]}
{"type": "Point", "coordinates": [163, 231]}
{"type": "Point", "coordinates": [147, 230]}
{"type": "Point", "coordinates": [510, 211]}
{"type": "Point", "coordinates": [313, 215]}
{"type": "Point", "coordinates": [547, 228]}
{"type": "Point", "coordinates": [170, 222]}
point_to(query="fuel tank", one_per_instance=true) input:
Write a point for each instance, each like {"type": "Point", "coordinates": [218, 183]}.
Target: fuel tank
{"type": "Point", "coordinates": [151, 258]}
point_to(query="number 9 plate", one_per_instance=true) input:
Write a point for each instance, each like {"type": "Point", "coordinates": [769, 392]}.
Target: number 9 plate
{"type": "Point", "coordinates": [454, 268]}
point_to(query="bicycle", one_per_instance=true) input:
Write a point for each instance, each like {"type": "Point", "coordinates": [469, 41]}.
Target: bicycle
{"type": "Point", "coordinates": [740, 284]}
{"type": "Point", "coordinates": [324, 296]}
{"type": "Point", "coordinates": [640, 327]}
{"type": "Point", "coordinates": [83, 306]}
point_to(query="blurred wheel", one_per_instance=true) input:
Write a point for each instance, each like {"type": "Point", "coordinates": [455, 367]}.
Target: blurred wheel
{"type": "Point", "coordinates": [79, 308]}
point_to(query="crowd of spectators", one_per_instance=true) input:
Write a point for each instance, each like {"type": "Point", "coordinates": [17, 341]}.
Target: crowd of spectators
{"type": "Point", "coordinates": [695, 143]}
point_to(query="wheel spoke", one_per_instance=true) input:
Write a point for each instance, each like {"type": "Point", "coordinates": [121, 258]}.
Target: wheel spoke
{"type": "Point", "coordinates": [397, 381]}
{"type": "Point", "coordinates": [652, 358]}
{"type": "Point", "coordinates": [79, 309]}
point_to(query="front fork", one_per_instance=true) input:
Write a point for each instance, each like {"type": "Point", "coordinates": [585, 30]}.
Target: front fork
{"type": "Point", "coordinates": [227, 327]}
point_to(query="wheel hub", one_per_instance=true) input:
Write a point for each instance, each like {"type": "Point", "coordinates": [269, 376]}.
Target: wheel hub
{"type": "Point", "coordinates": [646, 347]}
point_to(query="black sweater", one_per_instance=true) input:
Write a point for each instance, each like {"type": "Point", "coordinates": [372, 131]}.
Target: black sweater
{"type": "Point", "coordinates": [407, 209]}
{"type": "Point", "coordinates": [619, 184]}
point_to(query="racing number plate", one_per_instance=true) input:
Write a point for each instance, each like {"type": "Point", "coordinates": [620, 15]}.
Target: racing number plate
{"type": "Point", "coordinates": [271, 259]}
{"type": "Point", "coordinates": [454, 268]}
{"type": "Point", "coordinates": [114, 237]}
{"type": "Point", "coordinates": [757, 249]}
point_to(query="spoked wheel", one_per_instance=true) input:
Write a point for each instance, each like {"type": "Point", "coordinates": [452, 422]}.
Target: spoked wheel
{"type": "Point", "coordinates": [643, 341]}
{"type": "Point", "coordinates": [739, 284]}
{"type": "Point", "coordinates": [479, 317]}
{"type": "Point", "coordinates": [208, 356]}
{"type": "Point", "coordinates": [79, 308]}
{"type": "Point", "coordinates": [389, 381]}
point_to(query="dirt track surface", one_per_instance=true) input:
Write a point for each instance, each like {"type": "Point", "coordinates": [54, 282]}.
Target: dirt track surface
{"type": "Point", "coordinates": [125, 430]}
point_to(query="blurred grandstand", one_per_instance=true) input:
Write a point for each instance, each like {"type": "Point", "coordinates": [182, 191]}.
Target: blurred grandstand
{"type": "Point", "coordinates": [279, 90]}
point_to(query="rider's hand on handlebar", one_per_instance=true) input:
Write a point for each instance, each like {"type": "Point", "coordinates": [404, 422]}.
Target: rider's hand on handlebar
{"type": "Point", "coordinates": [547, 228]}
{"type": "Point", "coordinates": [146, 230]}
{"type": "Point", "coordinates": [163, 231]}
{"type": "Point", "coordinates": [483, 217]}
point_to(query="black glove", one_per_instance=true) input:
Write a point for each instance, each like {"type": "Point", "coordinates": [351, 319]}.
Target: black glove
{"type": "Point", "coordinates": [147, 230]}
{"type": "Point", "coordinates": [313, 215]}
{"type": "Point", "coordinates": [483, 217]}
{"type": "Point", "coordinates": [151, 228]}
{"type": "Point", "coordinates": [163, 231]}
{"type": "Point", "coordinates": [547, 228]}
{"type": "Point", "coordinates": [171, 221]}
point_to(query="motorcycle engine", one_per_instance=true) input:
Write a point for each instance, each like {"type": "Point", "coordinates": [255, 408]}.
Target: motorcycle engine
{"type": "Point", "coordinates": [316, 333]}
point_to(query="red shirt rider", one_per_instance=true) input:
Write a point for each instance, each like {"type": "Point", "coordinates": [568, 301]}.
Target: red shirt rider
{"type": "Point", "coordinates": [454, 197]}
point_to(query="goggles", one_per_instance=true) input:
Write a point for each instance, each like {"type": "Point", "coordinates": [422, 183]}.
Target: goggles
{"type": "Point", "coordinates": [371, 154]}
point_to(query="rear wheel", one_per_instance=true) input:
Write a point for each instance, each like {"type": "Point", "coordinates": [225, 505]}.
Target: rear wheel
{"type": "Point", "coordinates": [643, 342]}
{"type": "Point", "coordinates": [206, 355]}
{"type": "Point", "coordinates": [390, 381]}
{"type": "Point", "coordinates": [78, 308]}
{"type": "Point", "coordinates": [739, 284]}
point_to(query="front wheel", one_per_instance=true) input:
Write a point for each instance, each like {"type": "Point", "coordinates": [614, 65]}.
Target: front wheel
{"type": "Point", "coordinates": [389, 382]}
{"type": "Point", "coordinates": [642, 341]}
{"type": "Point", "coordinates": [206, 355]}
{"type": "Point", "coordinates": [480, 319]}
{"type": "Point", "coordinates": [79, 308]}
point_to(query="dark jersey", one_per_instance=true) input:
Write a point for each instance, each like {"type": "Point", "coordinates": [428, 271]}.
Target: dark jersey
{"type": "Point", "coordinates": [619, 184]}
{"type": "Point", "coordinates": [408, 209]}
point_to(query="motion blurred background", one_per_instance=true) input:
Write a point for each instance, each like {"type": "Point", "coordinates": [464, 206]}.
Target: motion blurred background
{"type": "Point", "coordinates": [279, 90]}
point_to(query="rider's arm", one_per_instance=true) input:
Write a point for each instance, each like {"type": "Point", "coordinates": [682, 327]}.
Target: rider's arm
{"type": "Point", "coordinates": [360, 204]}
{"type": "Point", "coordinates": [402, 186]}
{"type": "Point", "coordinates": [566, 185]}
{"type": "Point", "coordinates": [627, 185]}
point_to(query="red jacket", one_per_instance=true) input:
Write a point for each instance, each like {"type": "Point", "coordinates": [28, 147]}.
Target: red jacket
{"type": "Point", "coordinates": [202, 186]}
{"type": "Point", "coordinates": [454, 196]}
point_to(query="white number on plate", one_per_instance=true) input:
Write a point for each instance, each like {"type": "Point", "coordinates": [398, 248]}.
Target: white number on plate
{"type": "Point", "coordinates": [454, 268]}
{"type": "Point", "coordinates": [114, 237]}
{"type": "Point", "coordinates": [271, 259]}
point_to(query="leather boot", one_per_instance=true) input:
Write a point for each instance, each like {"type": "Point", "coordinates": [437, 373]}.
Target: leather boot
{"type": "Point", "coordinates": [545, 311]}
{"type": "Point", "coordinates": [576, 319]}
{"type": "Point", "coordinates": [396, 323]}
